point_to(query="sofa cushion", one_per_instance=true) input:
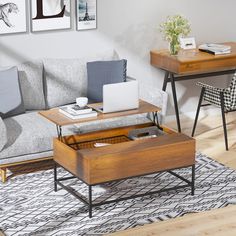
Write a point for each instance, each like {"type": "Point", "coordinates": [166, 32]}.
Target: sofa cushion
{"type": "Point", "coordinates": [104, 72]}
{"type": "Point", "coordinates": [3, 134]}
{"type": "Point", "coordinates": [31, 82]}
{"type": "Point", "coordinates": [10, 93]}
{"type": "Point", "coordinates": [66, 79]}
{"type": "Point", "coordinates": [30, 133]}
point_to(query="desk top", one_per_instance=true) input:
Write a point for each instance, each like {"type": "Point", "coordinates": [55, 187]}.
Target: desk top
{"type": "Point", "coordinates": [58, 118]}
{"type": "Point", "coordinates": [194, 61]}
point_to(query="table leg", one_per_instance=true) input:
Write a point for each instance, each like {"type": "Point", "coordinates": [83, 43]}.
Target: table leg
{"type": "Point", "coordinates": [172, 79]}
{"type": "Point", "coordinates": [166, 80]}
{"type": "Point", "coordinates": [90, 202]}
{"type": "Point", "coordinates": [55, 177]}
{"type": "Point", "coordinates": [193, 180]}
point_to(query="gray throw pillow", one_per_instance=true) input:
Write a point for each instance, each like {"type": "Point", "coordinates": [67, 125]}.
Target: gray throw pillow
{"type": "Point", "coordinates": [31, 82]}
{"type": "Point", "coordinates": [3, 134]}
{"type": "Point", "coordinates": [104, 72]}
{"type": "Point", "coordinates": [10, 93]}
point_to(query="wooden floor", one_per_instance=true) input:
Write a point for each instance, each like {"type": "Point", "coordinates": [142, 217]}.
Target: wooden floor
{"type": "Point", "coordinates": [220, 222]}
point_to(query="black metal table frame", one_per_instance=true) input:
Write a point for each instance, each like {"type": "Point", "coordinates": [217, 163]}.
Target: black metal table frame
{"type": "Point", "coordinates": [89, 201]}
{"type": "Point", "coordinates": [171, 77]}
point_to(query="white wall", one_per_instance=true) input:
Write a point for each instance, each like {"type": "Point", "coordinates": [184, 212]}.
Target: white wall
{"type": "Point", "coordinates": [131, 27]}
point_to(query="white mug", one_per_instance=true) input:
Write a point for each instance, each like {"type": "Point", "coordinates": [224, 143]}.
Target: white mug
{"type": "Point", "coordinates": [82, 101]}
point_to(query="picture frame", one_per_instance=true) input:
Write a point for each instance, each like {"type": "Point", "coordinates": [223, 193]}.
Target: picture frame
{"type": "Point", "coordinates": [86, 14]}
{"type": "Point", "coordinates": [187, 43]}
{"type": "Point", "coordinates": [13, 17]}
{"type": "Point", "coordinates": [47, 15]}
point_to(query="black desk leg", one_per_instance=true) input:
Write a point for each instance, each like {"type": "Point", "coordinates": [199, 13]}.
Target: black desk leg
{"type": "Point", "coordinates": [166, 80]}
{"type": "Point", "coordinates": [172, 79]}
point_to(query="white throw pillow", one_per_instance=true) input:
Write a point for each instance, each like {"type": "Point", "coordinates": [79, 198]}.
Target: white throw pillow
{"type": "Point", "coordinates": [3, 134]}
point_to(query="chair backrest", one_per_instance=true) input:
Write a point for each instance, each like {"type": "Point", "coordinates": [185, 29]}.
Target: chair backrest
{"type": "Point", "coordinates": [232, 91]}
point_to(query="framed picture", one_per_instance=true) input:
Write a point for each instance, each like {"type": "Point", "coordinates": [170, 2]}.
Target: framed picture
{"type": "Point", "coordinates": [12, 16]}
{"type": "Point", "coordinates": [50, 15]}
{"type": "Point", "coordinates": [187, 43]}
{"type": "Point", "coordinates": [86, 14]}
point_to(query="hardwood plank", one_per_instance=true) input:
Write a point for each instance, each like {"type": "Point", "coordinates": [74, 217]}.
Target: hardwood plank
{"type": "Point", "coordinates": [216, 222]}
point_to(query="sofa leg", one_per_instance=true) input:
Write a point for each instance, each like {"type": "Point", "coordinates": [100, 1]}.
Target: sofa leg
{"type": "Point", "coordinates": [3, 174]}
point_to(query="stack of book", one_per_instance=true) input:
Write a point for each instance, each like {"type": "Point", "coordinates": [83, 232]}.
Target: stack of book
{"type": "Point", "coordinates": [216, 49]}
{"type": "Point", "coordinates": [75, 112]}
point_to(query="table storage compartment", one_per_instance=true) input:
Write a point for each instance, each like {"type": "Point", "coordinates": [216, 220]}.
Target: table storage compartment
{"type": "Point", "coordinates": [123, 157]}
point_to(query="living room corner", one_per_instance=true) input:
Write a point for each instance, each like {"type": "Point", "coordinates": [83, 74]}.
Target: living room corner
{"type": "Point", "coordinates": [117, 117]}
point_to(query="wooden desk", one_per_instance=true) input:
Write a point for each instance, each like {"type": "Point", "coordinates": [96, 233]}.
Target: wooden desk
{"type": "Point", "coordinates": [192, 64]}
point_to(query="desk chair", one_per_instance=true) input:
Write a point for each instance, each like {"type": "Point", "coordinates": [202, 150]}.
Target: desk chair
{"type": "Point", "coordinates": [225, 98]}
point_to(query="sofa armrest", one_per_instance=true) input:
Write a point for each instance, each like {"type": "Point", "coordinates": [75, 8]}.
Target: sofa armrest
{"type": "Point", "coordinates": [129, 78]}
{"type": "Point", "coordinates": [156, 97]}
{"type": "Point", "coordinates": [3, 134]}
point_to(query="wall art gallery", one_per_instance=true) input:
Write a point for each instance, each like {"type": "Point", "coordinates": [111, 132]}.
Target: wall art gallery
{"type": "Point", "coordinates": [46, 15]}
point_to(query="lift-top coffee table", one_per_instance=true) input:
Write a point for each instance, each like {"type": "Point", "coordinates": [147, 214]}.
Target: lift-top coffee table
{"type": "Point", "coordinates": [123, 158]}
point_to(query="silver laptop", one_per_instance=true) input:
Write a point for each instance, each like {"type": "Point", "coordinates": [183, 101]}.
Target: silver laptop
{"type": "Point", "coordinates": [120, 97]}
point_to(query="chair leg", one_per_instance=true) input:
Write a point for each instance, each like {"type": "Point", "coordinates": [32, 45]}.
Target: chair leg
{"type": "Point", "coordinates": [3, 174]}
{"type": "Point", "coordinates": [223, 119]}
{"type": "Point", "coordinates": [198, 110]}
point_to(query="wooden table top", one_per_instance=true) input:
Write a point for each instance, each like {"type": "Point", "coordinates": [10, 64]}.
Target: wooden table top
{"type": "Point", "coordinates": [59, 119]}
{"type": "Point", "coordinates": [194, 61]}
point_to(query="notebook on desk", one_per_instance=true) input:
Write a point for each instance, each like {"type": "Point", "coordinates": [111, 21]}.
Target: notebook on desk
{"type": "Point", "coordinates": [119, 97]}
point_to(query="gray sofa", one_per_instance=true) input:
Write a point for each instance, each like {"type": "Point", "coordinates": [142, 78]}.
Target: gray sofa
{"type": "Point", "coordinates": [51, 83]}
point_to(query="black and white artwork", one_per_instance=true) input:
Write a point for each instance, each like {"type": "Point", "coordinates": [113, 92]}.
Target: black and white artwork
{"type": "Point", "coordinates": [12, 16]}
{"type": "Point", "coordinates": [86, 14]}
{"type": "Point", "coordinates": [50, 15]}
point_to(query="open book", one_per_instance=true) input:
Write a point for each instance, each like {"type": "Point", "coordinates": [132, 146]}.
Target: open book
{"type": "Point", "coordinates": [216, 49]}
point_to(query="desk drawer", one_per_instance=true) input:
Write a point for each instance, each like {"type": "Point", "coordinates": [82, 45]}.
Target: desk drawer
{"type": "Point", "coordinates": [124, 157]}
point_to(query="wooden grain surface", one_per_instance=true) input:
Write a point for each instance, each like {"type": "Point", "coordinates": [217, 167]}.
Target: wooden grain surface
{"type": "Point", "coordinates": [220, 222]}
{"type": "Point", "coordinates": [193, 61]}
{"type": "Point", "coordinates": [58, 118]}
{"type": "Point", "coordinates": [125, 159]}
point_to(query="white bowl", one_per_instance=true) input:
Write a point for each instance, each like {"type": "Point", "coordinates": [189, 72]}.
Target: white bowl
{"type": "Point", "coordinates": [82, 101]}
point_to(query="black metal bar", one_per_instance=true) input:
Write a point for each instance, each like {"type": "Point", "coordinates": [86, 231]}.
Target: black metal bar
{"type": "Point", "coordinates": [59, 132]}
{"type": "Point", "coordinates": [55, 177]}
{"type": "Point", "coordinates": [203, 75]}
{"type": "Point", "coordinates": [75, 194]}
{"type": "Point", "coordinates": [172, 78]}
{"type": "Point", "coordinates": [140, 195]}
{"type": "Point", "coordinates": [193, 181]}
{"type": "Point", "coordinates": [223, 119]}
{"type": "Point", "coordinates": [180, 177]}
{"type": "Point", "coordinates": [166, 80]}
{"type": "Point", "coordinates": [198, 110]}
{"type": "Point", "coordinates": [156, 121]}
{"type": "Point", "coordinates": [66, 178]}
{"type": "Point", "coordinates": [90, 202]}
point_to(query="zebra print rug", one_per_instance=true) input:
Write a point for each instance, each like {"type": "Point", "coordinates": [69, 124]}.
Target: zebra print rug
{"type": "Point", "coordinates": [29, 206]}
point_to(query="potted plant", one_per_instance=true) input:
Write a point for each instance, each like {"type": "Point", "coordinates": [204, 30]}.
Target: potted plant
{"type": "Point", "coordinates": [173, 28]}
